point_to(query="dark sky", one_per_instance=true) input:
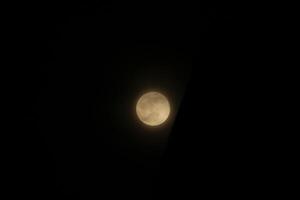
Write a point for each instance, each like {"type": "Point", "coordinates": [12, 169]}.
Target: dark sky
{"type": "Point", "coordinates": [85, 66]}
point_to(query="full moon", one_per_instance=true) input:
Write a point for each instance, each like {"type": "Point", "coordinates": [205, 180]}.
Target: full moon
{"type": "Point", "coordinates": [153, 108]}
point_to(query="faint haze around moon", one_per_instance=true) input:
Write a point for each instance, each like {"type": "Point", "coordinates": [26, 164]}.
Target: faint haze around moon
{"type": "Point", "coordinates": [153, 108]}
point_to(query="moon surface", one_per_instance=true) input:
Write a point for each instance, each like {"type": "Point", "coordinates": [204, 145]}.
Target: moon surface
{"type": "Point", "coordinates": [153, 108]}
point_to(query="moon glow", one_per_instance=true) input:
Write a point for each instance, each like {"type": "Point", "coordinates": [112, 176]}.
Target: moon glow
{"type": "Point", "coordinates": [153, 108]}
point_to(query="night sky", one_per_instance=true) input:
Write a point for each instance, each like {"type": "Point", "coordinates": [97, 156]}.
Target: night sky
{"type": "Point", "coordinates": [86, 65]}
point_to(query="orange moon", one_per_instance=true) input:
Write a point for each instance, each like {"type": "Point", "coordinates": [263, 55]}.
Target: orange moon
{"type": "Point", "coordinates": [153, 108]}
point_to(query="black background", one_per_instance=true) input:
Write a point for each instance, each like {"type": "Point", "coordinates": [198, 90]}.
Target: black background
{"type": "Point", "coordinates": [84, 66]}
